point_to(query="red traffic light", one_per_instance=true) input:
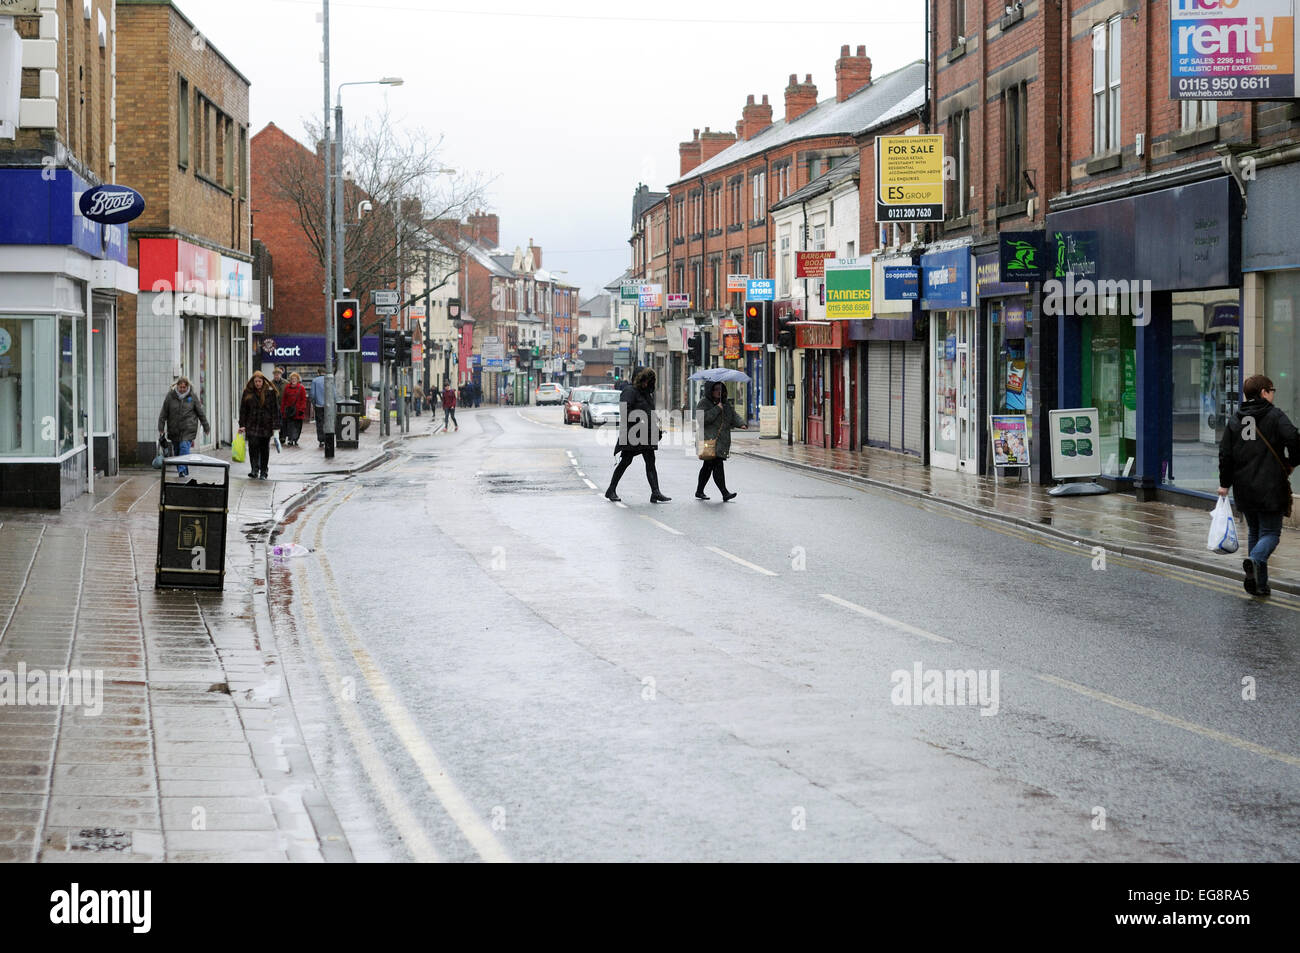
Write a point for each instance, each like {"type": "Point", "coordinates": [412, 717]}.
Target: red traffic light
{"type": "Point", "coordinates": [752, 311]}
{"type": "Point", "coordinates": [347, 314]}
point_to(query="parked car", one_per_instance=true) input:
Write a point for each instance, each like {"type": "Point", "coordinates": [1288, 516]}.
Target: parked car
{"type": "Point", "coordinates": [573, 404]}
{"type": "Point", "coordinates": [549, 393]}
{"type": "Point", "coordinates": [601, 408]}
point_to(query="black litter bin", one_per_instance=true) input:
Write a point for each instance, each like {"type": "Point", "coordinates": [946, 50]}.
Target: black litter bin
{"type": "Point", "coordinates": [192, 523]}
{"type": "Point", "coordinates": [347, 426]}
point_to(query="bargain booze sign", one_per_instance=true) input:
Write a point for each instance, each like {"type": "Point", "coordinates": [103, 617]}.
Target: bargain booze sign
{"type": "Point", "coordinates": [1232, 49]}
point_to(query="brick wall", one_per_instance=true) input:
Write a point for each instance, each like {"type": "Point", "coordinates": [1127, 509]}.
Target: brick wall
{"type": "Point", "coordinates": [299, 276]}
{"type": "Point", "coordinates": [158, 46]}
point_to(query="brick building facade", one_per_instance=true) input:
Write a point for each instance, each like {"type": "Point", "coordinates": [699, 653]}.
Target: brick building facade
{"type": "Point", "coordinates": [183, 142]}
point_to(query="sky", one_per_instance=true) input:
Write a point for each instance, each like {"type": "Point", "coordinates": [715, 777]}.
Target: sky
{"type": "Point", "coordinates": [564, 105]}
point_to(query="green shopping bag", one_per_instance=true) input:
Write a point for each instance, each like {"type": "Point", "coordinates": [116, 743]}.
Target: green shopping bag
{"type": "Point", "coordinates": [238, 448]}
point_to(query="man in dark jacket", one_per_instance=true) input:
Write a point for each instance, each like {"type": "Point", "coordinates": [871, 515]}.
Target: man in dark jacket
{"type": "Point", "coordinates": [1259, 449]}
{"type": "Point", "coordinates": [638, 433]}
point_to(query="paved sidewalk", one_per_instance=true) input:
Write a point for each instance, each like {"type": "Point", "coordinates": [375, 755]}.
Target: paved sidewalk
{"type": "Point", "coordinates": [180, 743]}
{"type": "Point", "coordinates": [1155, 531]}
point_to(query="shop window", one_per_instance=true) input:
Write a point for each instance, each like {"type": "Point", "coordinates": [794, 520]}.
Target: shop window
{"type": "Point", "coordinates": [1281, 342]}
{"type": "Point", "coordinates": [1109, 378]}
{"type": "Point", "coordinates": [1206, 374]}
{"type": "Point", "coordinates": [1105, 86]}
{"type": "Point", "coordinates": [27, 416]}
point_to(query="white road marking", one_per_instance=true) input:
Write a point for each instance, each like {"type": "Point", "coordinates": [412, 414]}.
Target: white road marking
{"type": "Point", "coordinates": [663, 526]}
{"type": "Point", "coordinates": [579, 472]}
{"type": "Point", "coordinates": [1161, 717]}
{"type": "Point", "coordinates": [743, 562]}
{"type": "Point", "coordinates": [884, 619]}
{"type": "Point", "coordinates": [589, 483]}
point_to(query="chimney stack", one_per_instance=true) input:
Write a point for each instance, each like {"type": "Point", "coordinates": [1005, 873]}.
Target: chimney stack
{"type": "Point", "coordinates": [690, 154]}
{"type": "Point", "coordinates": [852, 73]}
{"type": "Point", "coordinates": [799, 97]}
{"type": "Point", "coordinates": [485, 228]}
{"type": "Point", "coordinates": [711, 143]}
{"type": "Point", "coordinates": [754, 118]}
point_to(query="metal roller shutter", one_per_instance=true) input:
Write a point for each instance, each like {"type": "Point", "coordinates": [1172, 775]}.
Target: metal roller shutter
{"type": "Point", "coordinates": [896, 395]}
{"type": "Point", "coordinates": [878, 393]}
{"type": "Point", "coordinates": [915, 397]}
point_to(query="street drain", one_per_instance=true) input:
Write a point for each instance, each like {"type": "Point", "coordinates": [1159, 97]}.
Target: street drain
{"type": "Point", "coordinates": [100, 838]}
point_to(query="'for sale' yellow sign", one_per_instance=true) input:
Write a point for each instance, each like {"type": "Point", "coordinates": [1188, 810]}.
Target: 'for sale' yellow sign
{"type": "Point", "coordinates": [909, 178]}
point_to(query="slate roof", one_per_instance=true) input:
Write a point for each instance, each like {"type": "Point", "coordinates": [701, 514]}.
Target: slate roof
{"type": "Point", "coordinates": [848, 169]}
{"type": "Point", "coordinates": [887, 98]}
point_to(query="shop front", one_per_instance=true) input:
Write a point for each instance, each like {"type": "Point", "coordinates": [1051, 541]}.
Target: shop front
{"type": "Point", "coordinates": [194, 319]}
{"type": "Point", "coordinates": [891, 350]}
{"type": "Point", "coordinates": [59, 277]}
{"type": "Point", "coordinates": [954, 416]}
{"type": "Point", "coordinates": [1270, 264]}
{"type": "Point", "coordinates": [827, 382]}
{"type": "Point", "coordinates": [1147, 296]}
{"type": "Point", "coordinates": [1007, 316]}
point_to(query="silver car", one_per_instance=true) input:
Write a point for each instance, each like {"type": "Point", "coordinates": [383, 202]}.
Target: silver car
{"type": "Point", "coordinates": [602, 407]}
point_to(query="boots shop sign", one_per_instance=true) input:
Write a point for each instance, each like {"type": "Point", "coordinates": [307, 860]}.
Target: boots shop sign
{"type": "Point", "coordinates": [111, 204]}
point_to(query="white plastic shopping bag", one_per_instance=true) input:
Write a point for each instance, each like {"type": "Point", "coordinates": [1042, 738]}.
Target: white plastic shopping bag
{"type": "Point", "coordinates": [1223, 531]}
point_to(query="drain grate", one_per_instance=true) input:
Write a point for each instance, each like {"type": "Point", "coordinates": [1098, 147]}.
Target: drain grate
{"type": "Point", "coordinates": [99, 839]}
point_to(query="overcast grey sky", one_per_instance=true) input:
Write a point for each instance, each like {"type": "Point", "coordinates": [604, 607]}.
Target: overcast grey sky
{"type": "Point", "coordinates": [568, 103]}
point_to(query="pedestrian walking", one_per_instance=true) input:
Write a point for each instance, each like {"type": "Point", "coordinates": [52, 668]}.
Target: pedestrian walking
{"type": "Point", "coordinates": [638, 434]}
{"type": "Point", "coordinates": [259, 409]}
{"type": "Point", "coordinates": [318, 407]}
{"type": "Point", "coordinates": [279, 381]}
{"type": "Point", "coordinates": [715, 417]}
{"type": "Point", "coordinates": [478, 394]}
{"type": "Point", "coordinates": [179, 419]}
{"type": "Point", "coordinates": [1260, 448]}
{"type": "Point", "coordinates": [448, 407]}
{"type": "Point", "coordinates": [293, 410]}
{"type": "Point", "coordinates": [418, 393]}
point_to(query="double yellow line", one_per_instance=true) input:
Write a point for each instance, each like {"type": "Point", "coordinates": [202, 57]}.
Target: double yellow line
{"type": "Point", "coordinates": [404, 728]}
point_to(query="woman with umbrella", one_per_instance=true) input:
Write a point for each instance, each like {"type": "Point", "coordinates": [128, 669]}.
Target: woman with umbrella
{"type": "Point", "coordinates": [715, 417]}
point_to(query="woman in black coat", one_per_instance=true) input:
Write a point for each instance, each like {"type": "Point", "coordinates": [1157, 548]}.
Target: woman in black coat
{"type": "Point", "coordinates": [259, 412]}
{"type": "Point", "coordinates": [1259, 450]}
{"type": "Point", "coordinates": [638, 434]}
{"type": "Point", "coordinates": [716, 417]}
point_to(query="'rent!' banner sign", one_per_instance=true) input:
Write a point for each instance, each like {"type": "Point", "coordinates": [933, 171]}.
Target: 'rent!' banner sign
{"type": "Point", "coordinates": [1232, 49]}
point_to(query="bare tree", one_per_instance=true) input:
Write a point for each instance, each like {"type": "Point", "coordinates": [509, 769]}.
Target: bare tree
{"type": "Point", "coordinates": [385, 169]}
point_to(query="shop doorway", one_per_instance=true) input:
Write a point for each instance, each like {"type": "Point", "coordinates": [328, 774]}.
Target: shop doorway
{"type": "Point", "coordinates": [955, 433]}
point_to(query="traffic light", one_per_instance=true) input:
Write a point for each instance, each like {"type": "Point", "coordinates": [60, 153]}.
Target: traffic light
{"type": "Point", "coordinates": [758, 315]}
{"type": "Point", "coordinates": [785, 331]}
{"type": "Point", "coordinates": [695, 348]}
{"type": "Point", "coordinates": [404, 342]}
{"type": "Point", "coordinates": [391, 343]}
{"type": "Point", "coordinates": [347, 335]}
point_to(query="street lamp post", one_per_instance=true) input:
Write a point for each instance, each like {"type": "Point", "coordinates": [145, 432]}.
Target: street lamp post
{"type": "Point", "coordinates": [330, 404]}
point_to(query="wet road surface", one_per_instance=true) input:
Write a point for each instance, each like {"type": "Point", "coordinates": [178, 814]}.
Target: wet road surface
{"type": "Point", "coordinates": [490, 661]}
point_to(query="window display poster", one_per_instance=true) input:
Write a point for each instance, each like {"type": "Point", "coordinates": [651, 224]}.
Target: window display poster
{"type": "Point", "coordinates": [1015, 379]}
{"type": "Point", "coordinates": [1010, 440]}
{"type": "Point", "coordinates": [1074, 443]}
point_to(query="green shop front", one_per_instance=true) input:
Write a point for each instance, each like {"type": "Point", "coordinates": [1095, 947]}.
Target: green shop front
{"type": "Point", "coordinates": [1145, 293]}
